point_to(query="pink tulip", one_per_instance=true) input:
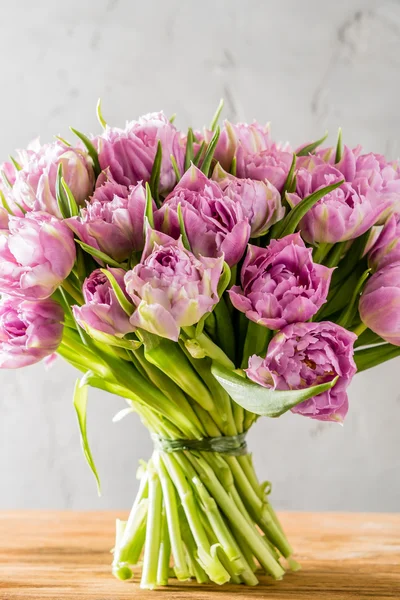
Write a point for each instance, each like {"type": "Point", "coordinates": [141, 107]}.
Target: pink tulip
{"type": "Point", "coordinates": [36, 255]}
{"type": "Point", "coordinates": [35, 184]}
{"type": "Point", "coordinates": [129, 153]}
{"type": "Point", "coordinates": [261, 201]}
{"type": "Point", "coordinates": [380, 303]}
{"type": "Point", "coordinates": [113, 220]}
{"type": "Point", "coordinates": [214, 223]}
{"type": "Point", "coordinates": [102, 311]}
{"type": "Point", "coordinates": [29, 331]}
{"type": "Point", "coordinates": [171, 288]}
{"type": "Point", "coordinates": [307, 354]}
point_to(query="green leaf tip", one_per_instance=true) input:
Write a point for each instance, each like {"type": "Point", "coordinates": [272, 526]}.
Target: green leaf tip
{"type": "Point", "coordinates": [99, 114]}
{"type": "Point", "coordinates": [217, 115]}
{"type": "Point", "coordinates": [339, 146]}
{"type": "Point", "coordinates": [310, 148]}
{"type": "Point", "coordinates": [91, 150]}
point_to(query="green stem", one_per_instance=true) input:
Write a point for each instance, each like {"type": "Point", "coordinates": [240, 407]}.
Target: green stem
{"type": "Point", "coordinates": [170, 359]}
{"type": "Point", "coordinates": [359, 329]}
{"type": "Point", "coordinates": [222, 534]}
{"type": "Point", "coordinates": [210, 563]}
{"type": "Point", "coordinates": [210, 349]}
{"type": "Point", "coordinates": [127, 551]}
{"type": "Point", "coordinates": [195, 569]}
{"type": "Point", "coordinates": [230, 510]}
{"type": "Point", "coordinates": [256, 342]}
{"type": "Point", "coordinates": [171, 510]}
{"type": "Point", "coordinates": [258, 509]}
{"type": "Point", "coordinates": [320, 252]}
{"type": "Point", "coordinates": [225, 332]}
{"type": "Point", "coordinates": [70, 289]}
{"type": "Point", "coordinates": [153, 533]}
{"type": "Point", "coordinates": [165, 552]}
{"type": "Point", "coordinates": [222, 414]}
{"type": "Point", "coordinates": [238, 415]}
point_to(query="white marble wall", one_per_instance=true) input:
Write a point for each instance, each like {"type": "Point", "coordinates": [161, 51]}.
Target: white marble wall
{"type": "Point", "coordinates": [307, 67]}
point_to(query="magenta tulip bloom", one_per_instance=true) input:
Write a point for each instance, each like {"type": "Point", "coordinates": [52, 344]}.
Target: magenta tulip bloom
{"type": "Point", "coordinates": [379, 305]}
{"type": "Point", "coordinates": [35, 184]}
{"type": "Point", "coordinates": [307, 354]}
{"type": "Point", "coordinates": [36, 255]}
{"type": "Point", "coordinates": [261, 201]}
{"type": "Point", "coordinates": [129, 153]}
{"type": "Point", "coordinates": [113, 220]}
{"type": "Point", "coordinates": [215, 224]}
{"type": "Point", "coordinates": [343, 214]}
{"type": "Point", "coordinates": [102, 311]}
{"type": "Point", "coordinates": [171, 288]}
{"type": "Point", "coordinates": [29, 331]}
{"type": "Point", "coordinates": [281, 284]}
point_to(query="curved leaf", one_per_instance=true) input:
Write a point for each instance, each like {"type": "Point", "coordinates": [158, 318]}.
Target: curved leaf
{"type": "Point", "coordinates": [260, 400]}
{"type": "Point", "coordinates": [122, 299]}
{"type": "Point", "coordinates": [289, 223]}
{"type": "Point", "coordinates": [205, 167]}
{"type": "Point", "coordinates": [100, 255]}
{"type": "Point", "coordinates": [310, 148]}
{"type": "Point", "coordinates": [91, 150]}
{"type": "Point", "coordinates": [80, 404]}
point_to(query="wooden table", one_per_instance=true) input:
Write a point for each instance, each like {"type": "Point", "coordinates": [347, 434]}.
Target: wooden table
{"type": "Point", "coordinates": [65, 555]}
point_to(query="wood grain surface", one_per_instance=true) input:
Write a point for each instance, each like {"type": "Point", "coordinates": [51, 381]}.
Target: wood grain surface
{"type": "Point", "coordinates": [65, 555]}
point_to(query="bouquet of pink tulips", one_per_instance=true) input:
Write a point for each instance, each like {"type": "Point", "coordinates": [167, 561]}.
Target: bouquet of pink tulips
{"type": "Point", "coordinates": [208, 278]}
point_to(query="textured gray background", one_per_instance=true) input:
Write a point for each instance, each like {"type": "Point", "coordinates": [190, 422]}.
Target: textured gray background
{"type": "Point", "coordinates": [305, 66]}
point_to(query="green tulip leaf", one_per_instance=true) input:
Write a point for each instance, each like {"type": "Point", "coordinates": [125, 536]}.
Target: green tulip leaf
{"type": "Point", "coordinates": [80, 405]}
{"type": "Point", "coordinates": [260, 400]}
{"type": "Point", "coordinates": [217, 115]}
{"type": "Point", "coordinates": [185, 239]}
{"type": "Point", "coordinates": [91, 150]}
{"type": "Point", "coordinates": [99, 113]}
{"type": "Point", "coordinates": [155, 174]}
{"type": "Point", "coordinates": [100, 255]}
{"type": "Point", "coordinates": [199, 154]}
{"type": "Point", "coordinates": [189, 149]}
{"type": "Point", "coordinates": [148, 210]}
{"type": "Point", "coordinates": [61, 196]}
{"type": "Point", "coordinates": [122, 299]}
{"type": "Point", "coordinates": [310, 148]}
{"type": "Point", "coordinates": [71, 202]}
{"type": "Point", "coordinates": [175, 168]}
{"type": "Point", "coordinates": [371, 357]}
{"type": "Point", "coordinates": [289, 224]}
{"type": "Point", "coordinates": [339, 146]}
{"type": "Point", "coordinates": [205, 167]}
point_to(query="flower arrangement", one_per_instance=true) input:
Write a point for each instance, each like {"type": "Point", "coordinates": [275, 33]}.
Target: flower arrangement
{"type": "Point", "coordinates": [209, 278]}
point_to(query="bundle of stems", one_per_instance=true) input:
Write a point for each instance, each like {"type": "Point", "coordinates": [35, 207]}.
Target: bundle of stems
{"type": "Point", "coordinates": [197, 514]}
